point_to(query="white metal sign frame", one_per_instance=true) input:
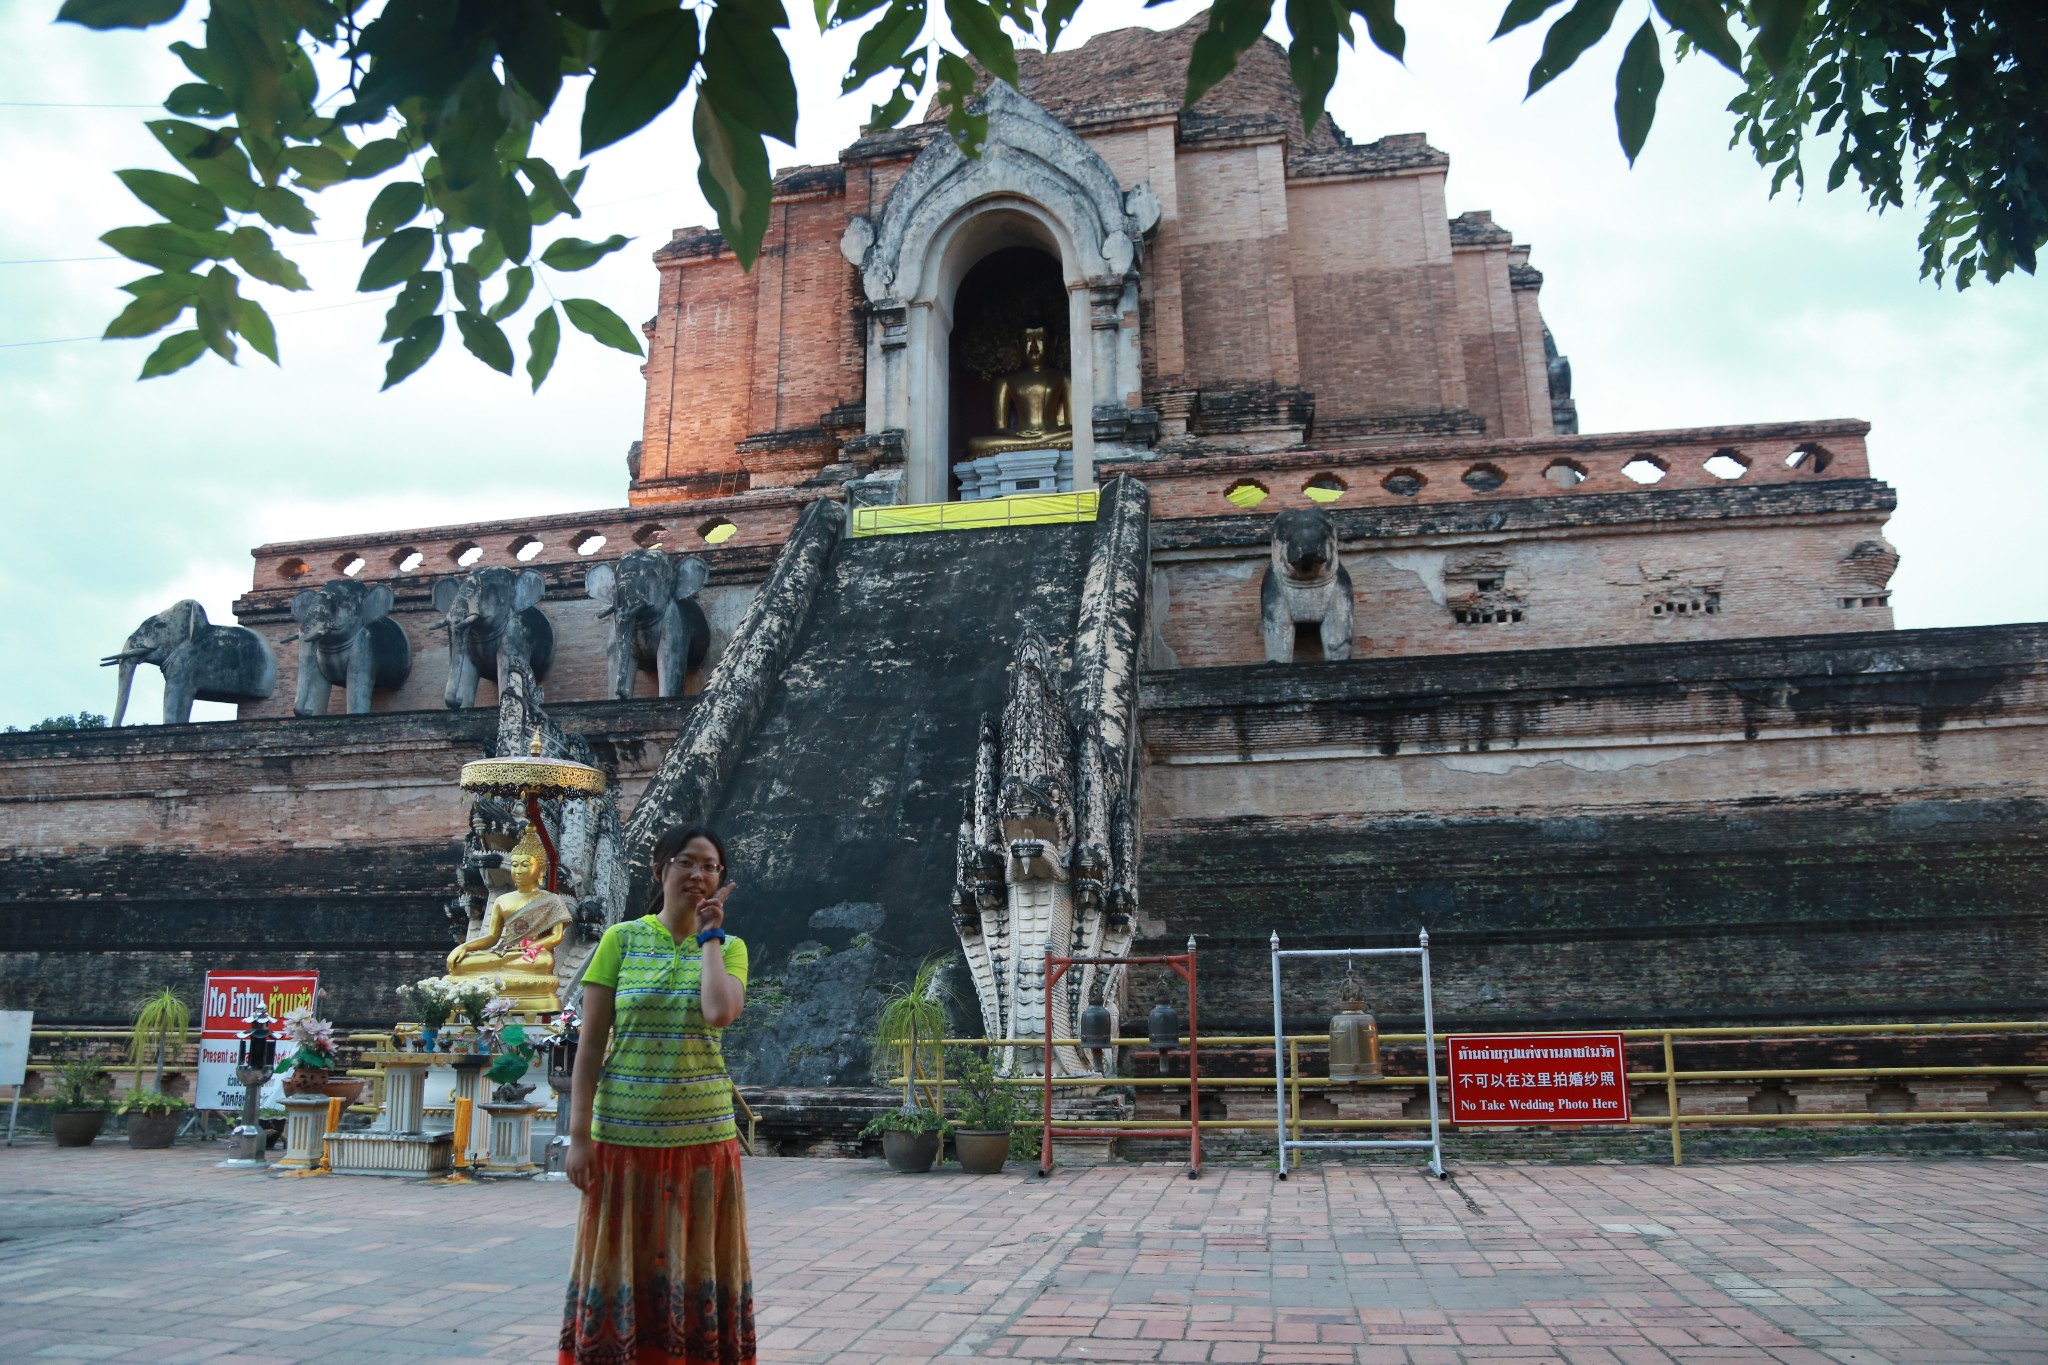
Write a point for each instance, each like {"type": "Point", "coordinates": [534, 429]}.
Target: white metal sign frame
{"type": "Point", "coordinates": [1283, 1112]}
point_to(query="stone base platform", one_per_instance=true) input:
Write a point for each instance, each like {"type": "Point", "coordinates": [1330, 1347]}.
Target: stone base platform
{"type": "Point", "coordinates": [408, 1154]}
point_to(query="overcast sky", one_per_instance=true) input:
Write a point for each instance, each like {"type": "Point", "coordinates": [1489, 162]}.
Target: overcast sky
{"type": "Point", "coordinates": [1683, 295]}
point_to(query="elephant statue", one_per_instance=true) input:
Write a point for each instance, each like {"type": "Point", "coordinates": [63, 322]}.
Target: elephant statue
{"type": "Point", "coordinates": [494, 618]}
{"type": "Point", "coordinates": [347, 639]}
{"type": "Point", "coordinates": [1305, 584]}
{"type": "Point", "coordinates": [201, 661]}
{"type": "Point", "coordinates": [646, 596]}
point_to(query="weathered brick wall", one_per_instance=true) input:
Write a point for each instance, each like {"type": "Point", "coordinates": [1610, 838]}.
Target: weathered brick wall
{"type": "Point", "coordinates": [1659, 580]}
{"type": "Point", "coordinates": [1756, 829]}
{"type": "Point", "coordinates": [579, 671]}
{"type": "Point", "coordinates": [1491, 340]}
{"type": "Point", "coordinates": [1377, 302]}
{"type": "Point", "coordinates": [151, 854]}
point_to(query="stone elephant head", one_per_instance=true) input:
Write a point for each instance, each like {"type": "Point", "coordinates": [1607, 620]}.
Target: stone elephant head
{"type": "Point", "coordinates": [1306, 593]}
{"type": "Point", "coordinates": [346, 639]}
{"type": "Point", "coordinates": [493, 618]}
{"type": "Point", "coordinates": [200, 661]}
{"type": "Point", "coordinates": [646, 597]}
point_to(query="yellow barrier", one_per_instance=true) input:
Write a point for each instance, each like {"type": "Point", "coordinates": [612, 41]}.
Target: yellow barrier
{"type": "Point", "coordinates": [1022, 509]}
{"type": "Point", "coordinates": [1670, 1076]}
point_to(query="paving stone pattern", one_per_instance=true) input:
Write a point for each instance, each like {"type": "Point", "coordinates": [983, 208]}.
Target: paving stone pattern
{"type": "Point", "coordinates": [112, 1254]}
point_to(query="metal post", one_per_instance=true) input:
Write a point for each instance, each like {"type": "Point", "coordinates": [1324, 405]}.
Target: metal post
{"type": "Point", "coordinates": [1045, 1112]}
{"type": "Point", "coordinates": [1194, 1073]}
{"type": "Point", "coordinates": [1670, 1097]}
{"type": "Point", "coordinates": [1294, 1089]}
{"type": "Point", "coordinates": [1279, 1066]}
{"type": "Point", "coordinates": [1436, 1145]}
{"type": "Point", "coordinates": [13, 1112]}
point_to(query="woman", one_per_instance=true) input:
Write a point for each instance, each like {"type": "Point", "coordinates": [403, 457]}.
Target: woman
{"type": "Point", "coordinates": [660, 1271]}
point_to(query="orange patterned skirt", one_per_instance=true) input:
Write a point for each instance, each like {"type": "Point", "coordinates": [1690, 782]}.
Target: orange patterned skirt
{"type": "Point", "coordinates": [660, 1273]}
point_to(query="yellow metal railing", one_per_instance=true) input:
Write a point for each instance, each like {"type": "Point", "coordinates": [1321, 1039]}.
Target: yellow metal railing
{"type": "Point", "coordinates": [1022, 509]}
{"type": "Point", "coordinates": [934, 1087]}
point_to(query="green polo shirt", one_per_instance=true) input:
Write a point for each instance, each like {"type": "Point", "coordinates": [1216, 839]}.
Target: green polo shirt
{"type": "Point", "coordinates": [664, 1081]}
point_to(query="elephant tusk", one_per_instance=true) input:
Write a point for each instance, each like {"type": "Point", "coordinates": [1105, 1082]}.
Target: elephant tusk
{"type": "Point", "coordinates": [288, 639]}
{"type": "Point", "coordinates": [601, 615]}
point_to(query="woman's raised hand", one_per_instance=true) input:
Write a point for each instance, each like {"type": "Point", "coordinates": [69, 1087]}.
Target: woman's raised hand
{"type": "Point", "coordinates": [711, 910]}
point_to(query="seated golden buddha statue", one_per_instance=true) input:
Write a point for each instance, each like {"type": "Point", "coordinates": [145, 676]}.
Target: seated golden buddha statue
{"type": "Point", "coordinates": [521, 930]}
{"type": "Point", "coordinates": [1031, 406]}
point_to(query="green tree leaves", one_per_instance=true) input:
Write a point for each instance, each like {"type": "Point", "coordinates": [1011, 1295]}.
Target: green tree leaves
{"type": "Point", "coordinates": [601, 324]}
{"type": "Point", "coordinates": [541, 345]}
{"type": "Point", "coordinates": [106, 14]}
{"type": "Point", "coordinates": [573, 253]}
{"type": "Point", "coordinates": [401, 256]}
{"type": "Point", "coordinates": [644, 68]}
{"type": "Point", "coordinates": [732, 170]}
{"type": "Point", "coordinates": [1636, 85]}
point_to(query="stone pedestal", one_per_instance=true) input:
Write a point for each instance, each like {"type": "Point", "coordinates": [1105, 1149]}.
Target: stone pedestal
{"type": "Point", "coordinates": [1369, 1102]}
{"type": "Point", "coordinates": [305, 1125]}
{"type": "Point", "coordinates": [1951, 1093]}
{"type": "Point", "coordinates": [411, 1154]}
{"type": "Point", "coordinates": [405, 1089]}
{"type": "Point", "coordinates": [1829, 1097]}
{"type": "Point", "coordinates": [1014, 472]}
{"type": "Point", "coordinates": [1716, 1098]}
{"type": "Point", "coordinates": [469, 1075]}
{"type": "Point", "coordinates": [510, 1149]}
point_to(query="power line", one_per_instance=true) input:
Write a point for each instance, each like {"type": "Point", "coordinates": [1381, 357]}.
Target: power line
{"type": "Point", "coordinates": [296, 312]}
{"type": "Point", "coordinates": [55, 104]}
{"type": "Point", "coordinates": [322, 241]}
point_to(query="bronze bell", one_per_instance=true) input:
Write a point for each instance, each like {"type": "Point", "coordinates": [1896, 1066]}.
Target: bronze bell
{"type": "Point", "coordinates": [1354, 1035]}
{"type": "Point", "coordinates": [1163, 1027]}
{"type": "Point", "coordinates": [1096, 1027]}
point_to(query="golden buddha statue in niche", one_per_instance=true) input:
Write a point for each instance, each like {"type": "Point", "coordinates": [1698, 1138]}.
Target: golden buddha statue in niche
{"type": "Point", "coordinates": [521, 929]}
{"type": "Point", "coordinates": [1031, 406]}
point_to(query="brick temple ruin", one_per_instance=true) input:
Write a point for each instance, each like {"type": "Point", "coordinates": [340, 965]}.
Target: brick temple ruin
{"type": "Point", "coordinates": [1622, 719]}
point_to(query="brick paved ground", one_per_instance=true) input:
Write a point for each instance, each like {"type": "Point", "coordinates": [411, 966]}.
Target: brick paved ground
{"type": "Point", "coordinates": [121, 1255]}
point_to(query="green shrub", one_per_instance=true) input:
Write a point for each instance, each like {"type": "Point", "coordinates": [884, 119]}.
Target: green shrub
{"type": "Point", "coordinates": [152, 1102]}
{"type": "Point", "coordinates": [78, 1084]}
{"type": "Point", "coordinates": [904, 1121]}
{"type": "Point", "coordinates": [984, 1104]}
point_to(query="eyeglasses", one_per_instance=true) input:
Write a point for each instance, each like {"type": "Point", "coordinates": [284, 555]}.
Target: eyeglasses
{"type": "Point", "coordinates": [692, 865]}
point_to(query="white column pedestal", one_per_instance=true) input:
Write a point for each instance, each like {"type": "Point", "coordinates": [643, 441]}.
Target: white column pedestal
{"type": "Point", "coordinates": [511, 1144]}
{"type": "Point", "coordinates": [305, 1126]}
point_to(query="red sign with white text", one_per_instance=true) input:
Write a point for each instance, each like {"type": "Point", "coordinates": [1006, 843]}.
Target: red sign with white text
{"type": "Point", "coordinates": [1538, 1078]}
{"type": "Point", "coordinates": [231, 997]}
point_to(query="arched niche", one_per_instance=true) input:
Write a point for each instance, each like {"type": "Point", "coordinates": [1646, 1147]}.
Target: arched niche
{"type": "Point", "coordinates": [1035, 185]}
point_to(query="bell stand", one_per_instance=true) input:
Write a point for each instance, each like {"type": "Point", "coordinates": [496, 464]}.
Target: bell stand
{"type": "Point", "coordinates": [1281, 1111]}
{"type": "Point", "coordinates": [1183, 965]}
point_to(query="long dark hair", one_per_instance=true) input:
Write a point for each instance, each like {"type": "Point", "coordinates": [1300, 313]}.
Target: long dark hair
{"type": "Point", "coordinates": [674, 841]}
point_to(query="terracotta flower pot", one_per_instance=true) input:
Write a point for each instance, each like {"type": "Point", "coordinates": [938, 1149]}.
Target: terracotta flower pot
{"type": "Point", "coordinates": [77, 1127]}
{"type": "Point", "coordinates": [981, 1153]}
{"type": "Point", "coordinates": [350, 1088]}
{"type": "Point", "coordinates": [152, 1130]}
{"type": "Point", "coordinates": [911, 1153]}
{"type": "Point", "coordinates": [305, 1080]}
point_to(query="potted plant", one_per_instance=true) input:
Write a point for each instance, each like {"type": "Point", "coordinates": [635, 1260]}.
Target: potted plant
{"type": "Point", "coordinates": [78, 1102]}
{"type": "Point", "coordinates": [163, 1024]}
{"type": "Point", "coordinates": [432, 998]}
{"type": "Point", "coordinates": [306, 1071]}
{"type": "Point", "coordinates": [986, 1114]}
{"type": "Point", "coordinates": [909, 1027]}
{"type": "Point", "coordinates": [152, 1117]}
{"type": "Point", "coordinates": [910, 1138]}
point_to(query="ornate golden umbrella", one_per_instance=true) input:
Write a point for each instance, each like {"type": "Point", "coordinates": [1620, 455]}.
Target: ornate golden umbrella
{"type": "Point", "coordinates": [531, 780]}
